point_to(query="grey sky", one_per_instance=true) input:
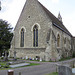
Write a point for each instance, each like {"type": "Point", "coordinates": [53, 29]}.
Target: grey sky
{"type": "Point", "coordinates": [11, 10]}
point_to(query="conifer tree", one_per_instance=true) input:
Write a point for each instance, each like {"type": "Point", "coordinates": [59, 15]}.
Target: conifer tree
{"type": "Point", "coordinates": [5, 36]}
{"type": "Point", "coordinates": [0, 5]}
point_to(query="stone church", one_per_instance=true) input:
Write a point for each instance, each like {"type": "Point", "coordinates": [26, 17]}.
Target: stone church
{"type": "Point", "coordinates": [38, 33]}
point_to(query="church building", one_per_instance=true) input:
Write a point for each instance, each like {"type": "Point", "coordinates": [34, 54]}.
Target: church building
{"type": "Point", "coordinates": [38, 33]}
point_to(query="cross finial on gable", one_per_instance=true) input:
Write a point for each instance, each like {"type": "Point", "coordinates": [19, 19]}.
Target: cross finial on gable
{"type": "Point", "coordinates": [59, 17]}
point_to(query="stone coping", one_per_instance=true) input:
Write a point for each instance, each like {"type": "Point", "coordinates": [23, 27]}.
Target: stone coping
{"type": "Point", "coordinates": [19, 65]}
{"type": "Point", "coordinates": [10, 70]}
{"type": "Point", "coordinates": [73, 70]}
{"type": "Point", "coordinates": [16, 62]}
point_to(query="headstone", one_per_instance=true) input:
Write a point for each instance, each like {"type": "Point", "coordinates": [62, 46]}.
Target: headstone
{"type": "Point", "coordinates": [64, 70]}
{"type": "Point", "coordinates": [32, 58]}
{"type": "Point", "coordinates": [36, 58]}
{"type": "Point", "coordinates": [40, 59]}
{"type": "Point", "coordinates": [10, 72]}
{"type": "Point", "coordinates": [6, 57]}
{"type": "Point", "coordinates": [2, 56]}
{"type": "Point", "coordinates": [15, 55]}
{"type": "Point", "coordinates": [10, 63]}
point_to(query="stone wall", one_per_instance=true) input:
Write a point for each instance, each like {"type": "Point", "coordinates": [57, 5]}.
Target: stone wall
{"type": "Point", "coordinates": [64, 70]}
{"type": "Point", "coordinates": [29, 52]}
{"type": "Point", "coordinates": [65, 48]}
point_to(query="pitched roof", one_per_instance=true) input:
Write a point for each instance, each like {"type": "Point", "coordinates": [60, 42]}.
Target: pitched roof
{"type": "Point", "coordinates": [55, 20]}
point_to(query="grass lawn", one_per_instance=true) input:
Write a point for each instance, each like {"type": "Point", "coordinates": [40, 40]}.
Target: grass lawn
{"type": "Point", "coordinates": [54, 73]}
{"type": "Point", "coordinates": [3, 64]}
{"type": "Point", "coordinates": [67, 58]}
{"type": "Point", "coordinates": [32, 64]}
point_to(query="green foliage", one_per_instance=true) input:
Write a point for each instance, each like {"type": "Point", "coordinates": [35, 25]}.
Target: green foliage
{"type": "Point", "coordinates": [4, 65]}
{"type": "Point", "coordinates": [73, 55]}
{"type": "Point", "coordinates": [54, 73]}
{"type": "Point", "coordinates": [5, 35]}
{"type": "Point", "coordinates": [66, 58]}
{"type": "Point", "coordinates": [32, 64]}
{"type": "Point", "coordinates": [0, 5]}
{"type": "Point", "coordinates": [2, 57]}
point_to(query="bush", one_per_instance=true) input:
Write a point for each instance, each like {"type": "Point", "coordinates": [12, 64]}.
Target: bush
{"type": "Point", "coordinates": [66, 58]}
{"type": "Point", "coordinates": [2, 58]}
{"type": "Point", "coordinates": [54, 73]}
{"type": "Point", "coordinates": [73, 55]}
{"type": "Point", "coordinates": [4, 65]}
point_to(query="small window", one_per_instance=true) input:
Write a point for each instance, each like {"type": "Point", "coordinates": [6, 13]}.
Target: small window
{"type": "Point", "coordinates": [58, 40]}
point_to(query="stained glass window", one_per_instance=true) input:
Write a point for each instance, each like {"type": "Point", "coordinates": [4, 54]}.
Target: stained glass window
{"type": "Point", "coordinates": [22, 38]}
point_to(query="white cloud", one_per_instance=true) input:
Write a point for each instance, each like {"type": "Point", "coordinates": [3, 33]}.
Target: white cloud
{"type": "Point", "coordinates": [11, 10]}
{"type": "Point", "coordinates": [68, 21]}
{"type": "Point", "coordinates": [55, 1]}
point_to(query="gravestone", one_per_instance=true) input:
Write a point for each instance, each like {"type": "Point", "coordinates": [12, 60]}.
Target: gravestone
{"type": "Point", "coordinates": [32, 58]}
{"type": "Point", "coordinates": [15, 55]}
{"type": "Point", "coordinates": [6, 57]}
{"type": "Point", "coordinates": [40, 59]}
{"type": "Point", "coordinates": [10, 72]}
{"type": "Point", "coordinates": [36, 58]}
{"type": "Point", "coordinates": [64, 70]}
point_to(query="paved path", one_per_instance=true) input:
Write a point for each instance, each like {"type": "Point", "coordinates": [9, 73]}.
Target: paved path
{"type": "Point", "coordinates": [42, 69]}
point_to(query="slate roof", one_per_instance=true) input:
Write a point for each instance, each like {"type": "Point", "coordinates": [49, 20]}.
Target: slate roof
{"type": "Point", "coordinates": [55, 20]}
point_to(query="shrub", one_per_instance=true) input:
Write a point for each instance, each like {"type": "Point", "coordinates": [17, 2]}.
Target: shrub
{"type": "Point", "coordinates": [73, 55]}
{"type": "Point", "coordinates": [6, 66]}
{"type": "Point", "coordinates": [2, 57]}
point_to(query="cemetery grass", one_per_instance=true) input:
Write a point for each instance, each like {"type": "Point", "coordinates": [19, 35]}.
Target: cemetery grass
{"type": "Point", "coordinates": [3, 64]}
{"type": "Point", "coordinates": [67, 58]}
{"type": "Point", "coordinates": [54, 73]}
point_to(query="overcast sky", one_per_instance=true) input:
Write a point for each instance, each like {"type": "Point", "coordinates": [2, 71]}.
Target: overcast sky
{"type": "Point", "coordinates": [11, 10]}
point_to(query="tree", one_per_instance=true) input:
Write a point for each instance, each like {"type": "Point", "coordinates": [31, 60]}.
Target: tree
{"type": "Point", "coordinates": [5, 36]}
{"type": "Point", "coordinates": [0, 5]}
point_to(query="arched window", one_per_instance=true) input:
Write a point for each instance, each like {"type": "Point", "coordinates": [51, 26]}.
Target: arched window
{"type": "Point", "coordinates": [35, 36]}
{"type": "Point", "coordinates": [58, 40]}
{"type": "Point", "coordinates": [22, 38]}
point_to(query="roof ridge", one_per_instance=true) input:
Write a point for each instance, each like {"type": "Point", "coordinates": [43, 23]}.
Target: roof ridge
{"type": "Point", "coordinates": [55, 20]}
